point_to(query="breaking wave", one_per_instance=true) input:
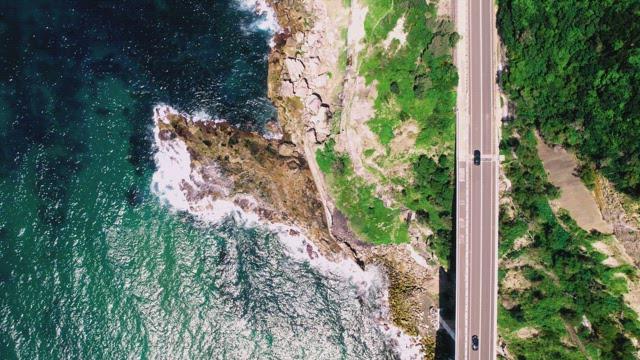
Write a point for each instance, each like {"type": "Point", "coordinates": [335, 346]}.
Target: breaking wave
{"type": "Point", "coordinates": [176, 181]}
{"type": "Point", "coordinates": [265, 17]}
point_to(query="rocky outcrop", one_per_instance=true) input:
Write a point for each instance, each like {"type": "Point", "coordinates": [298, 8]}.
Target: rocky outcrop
{"type": "Point", "coordinates": [266, 177]}
{"type": "Point", "coordinates": [625, 223]}
{"type": "Point", "coordinates": [303, 68]}
{"type": "Point", "coordinates": [275, 175]}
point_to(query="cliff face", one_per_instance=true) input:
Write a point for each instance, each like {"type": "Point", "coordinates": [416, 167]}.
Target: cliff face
{"type": "Point", "coordinates": [304, 80]}
{"type": "Point", "coordinates": [313, 82]}
{"type": "Point", "coordinates": [276, 176]}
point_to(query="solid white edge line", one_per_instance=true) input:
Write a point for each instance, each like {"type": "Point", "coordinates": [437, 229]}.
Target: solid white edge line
{"type": "Point", "coordinates": [496, 208]}
{"type": "Point", "coordinates": [465, 340]}
{"type": "Point", "coordinates": [457, 162]}
{"type": "Point", "coordinates": [482, 120]}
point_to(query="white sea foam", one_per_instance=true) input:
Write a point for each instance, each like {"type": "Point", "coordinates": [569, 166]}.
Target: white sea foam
{"type": "Point", "coordinates": [272, 136]}
{"type": "Point", "coordinates": [266, 17]}
{"type": "Point", "coordinates": [175, 179]}
{"type": "Point", "coordinates": [203, 116]}
{"type": "Point", "coordinates": [182, 187]}
{"type": "Point", "coordinates": [366, 281]}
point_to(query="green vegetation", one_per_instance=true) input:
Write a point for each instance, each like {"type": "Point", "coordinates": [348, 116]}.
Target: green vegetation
{"type": "Point", "coordinates": [574, 72]}
{"type": "Point", "coordinates": [588, 175]}
{"type": "Point", "coordinates": [355, 198]}
{"type": "Point", "coordinates": [431, 197]}
{"type": "Point", "coordinates": [368, 152]}
{"type": "Point", "coordinates": [568, 278]}
{"type": "Point", "coordinates": [416, 80]}
{"type": "Point", "coordinates": [415, 83]}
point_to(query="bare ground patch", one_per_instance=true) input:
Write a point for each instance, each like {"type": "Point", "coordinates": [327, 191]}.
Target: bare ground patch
{"type": "Point", "coordinates": [397, 33]}
{"type": "Point", "coordinates": [527, 332]}
{"type": "Point", "coordinates": [515, 281]}
{"type": "Point", "coordinates": [575, 197]}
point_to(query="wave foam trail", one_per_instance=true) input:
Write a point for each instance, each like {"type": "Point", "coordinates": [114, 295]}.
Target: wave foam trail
{"type": "Point", "coordinates": [266, 17]}
{"type": "Point", "coordinates": [370, 284]}
{"type": "Point", "coordinates": [181, 186]}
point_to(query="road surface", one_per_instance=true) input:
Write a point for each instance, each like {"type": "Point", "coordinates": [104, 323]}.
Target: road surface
{"type": "Point", "coordinates": [476, 189]}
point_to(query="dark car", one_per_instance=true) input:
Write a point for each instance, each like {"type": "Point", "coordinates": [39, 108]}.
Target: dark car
{"type": "Point", "coordinates": [475, 343]}
{"type": "Point", "coordinates": [476, 157]}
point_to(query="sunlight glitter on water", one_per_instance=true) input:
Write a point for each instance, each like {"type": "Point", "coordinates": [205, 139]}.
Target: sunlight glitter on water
{"type": "Point", "coordinates": [175, 177]}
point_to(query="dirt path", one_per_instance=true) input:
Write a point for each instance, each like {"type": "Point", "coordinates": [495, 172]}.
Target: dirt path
{"type": "Point", "coordinates": [576, 340]}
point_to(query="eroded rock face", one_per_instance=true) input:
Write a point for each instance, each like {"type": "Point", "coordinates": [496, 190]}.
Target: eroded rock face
{"type": "Point", "coordinates": [306, 86]}
{"type": "Point", "coordinates": [294, 68]}
{"type": "Point", "coordinates": [301, 64]}
{"type": "Point", "coordinates": [267, 177]}
{"type": "Point", "coordinates": [625, 226]}
{"type": "Point", "coordinates": [273, 177]}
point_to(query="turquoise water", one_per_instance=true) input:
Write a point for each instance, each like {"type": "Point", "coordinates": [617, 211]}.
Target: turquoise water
{"type": "Point", "coordinates": [92, 266]}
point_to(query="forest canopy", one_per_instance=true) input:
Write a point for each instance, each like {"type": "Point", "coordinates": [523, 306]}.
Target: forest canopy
{"type": "Point", "coordinates": [574, 72]}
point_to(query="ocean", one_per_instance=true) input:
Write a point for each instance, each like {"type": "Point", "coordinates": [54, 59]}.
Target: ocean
{"type": "Point", "coordinates": [95, 264]}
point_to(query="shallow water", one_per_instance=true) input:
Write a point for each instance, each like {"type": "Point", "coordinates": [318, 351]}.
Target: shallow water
{"type": "Point", "coordinates": [92, 265]}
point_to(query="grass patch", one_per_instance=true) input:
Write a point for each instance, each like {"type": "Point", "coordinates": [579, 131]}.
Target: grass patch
{"type": "Point", "coordinates": [367, 214]}
{"type": "Point", "coordinates": [416, 81]}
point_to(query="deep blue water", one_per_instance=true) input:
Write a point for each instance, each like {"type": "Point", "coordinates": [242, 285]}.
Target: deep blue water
{"type": "Point", "coordinates": [91, 264]}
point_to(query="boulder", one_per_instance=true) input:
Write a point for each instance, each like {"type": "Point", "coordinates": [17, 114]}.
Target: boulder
{"type": "Point", "coordinates": [313, 65]}
{"type": "Point", "coordinates": [320, 81]}
{"type": "Point", "coordinates": [301, 88]}
{"type": "Point", "coordinates": [313, 103]}
{"type": "Point", "coordinates": [287, 89]}
{"type": "Point", "coordinates": [286, 149]}
{"type": "Point", "coordinates": [320, 123]}
{"type": "Point", "coordinates": [295, 68]}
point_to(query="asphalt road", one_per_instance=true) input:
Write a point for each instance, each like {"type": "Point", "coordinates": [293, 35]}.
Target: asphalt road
{"type": "Point", "coordinates": [477, 200]}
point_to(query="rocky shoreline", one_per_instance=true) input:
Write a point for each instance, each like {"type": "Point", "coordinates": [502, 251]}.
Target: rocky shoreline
{"type": "Point", "coordinates": [275, 177]}
{"type": "Point", "coordinates": [306, 84]}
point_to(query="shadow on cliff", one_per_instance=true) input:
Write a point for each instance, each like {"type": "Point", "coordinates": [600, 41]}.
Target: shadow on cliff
{"type": "Point", "coordinates": [445, 344]}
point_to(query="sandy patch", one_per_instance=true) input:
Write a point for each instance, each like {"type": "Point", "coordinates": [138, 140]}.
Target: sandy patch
{"type": "Point", "coordinates": [358, 99]}
{"type": "Point", "coordinates": [397, 33]}
{"type": "Point", "coordinates": [522, 242]}
{"type": "Point", "coordinates": [444, 8]}
{"type": "Point", "coordinates": [515, 281]}
{"type": "Point", "coordinates": [633, 296]}
{"type": "Point", "coordinates": [405, 137]}
{"type": "Point", "coordinates": [611, 260]}
{"type": "Point", "coordinates": [461, 60]}
{"type": "Point", "coordinates": [575, 197]}
{"type": "Point", "coordinates": [355, 135]}
{"type": "Point", "coordinates": [356, 27]}
{"type": "Point", "coordinates": [527, 332]}
{"type": "Point", "coordinates": [615, 253]}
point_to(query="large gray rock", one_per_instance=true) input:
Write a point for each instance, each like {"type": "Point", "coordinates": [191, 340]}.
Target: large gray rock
{"type": "Point", "coordinates": [320, 122]}
{"type": "Point", "coordinates": [295, 68]}
{"type": "Point", "coordinates": [313, 103]}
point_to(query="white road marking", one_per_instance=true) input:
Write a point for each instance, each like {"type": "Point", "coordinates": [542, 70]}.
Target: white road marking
{"type": "Point", "coordinates": [481, 172]}
{"type": "Point", "coordinates": [496, 174]}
